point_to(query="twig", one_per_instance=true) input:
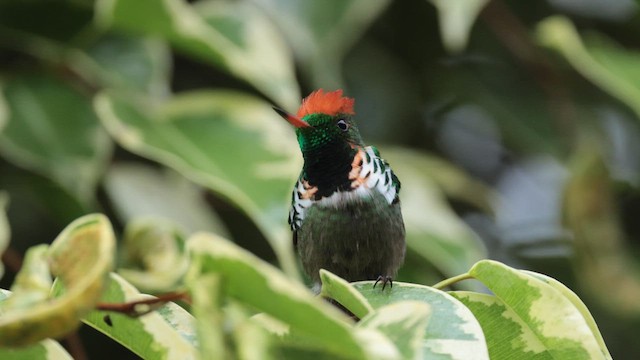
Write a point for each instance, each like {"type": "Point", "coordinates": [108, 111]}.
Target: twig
{"type": "Point", "coordinates": [143, 307]}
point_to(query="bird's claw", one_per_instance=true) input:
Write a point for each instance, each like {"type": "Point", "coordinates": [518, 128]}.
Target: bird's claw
{"type": "Point", "coordinates": [384, 280]}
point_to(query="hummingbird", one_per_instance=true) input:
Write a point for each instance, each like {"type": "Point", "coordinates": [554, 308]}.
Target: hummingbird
{"type": "Point", "coordinates": [345, 211]}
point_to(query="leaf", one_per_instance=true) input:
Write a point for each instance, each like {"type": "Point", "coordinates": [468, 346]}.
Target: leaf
{"type": "Point", "coordinates": [80, 257]}
{"type": "Point", "coordinates": [575, 300]}
{"type": "Point", "coordinates": [231, 143]}
{"type": "Point", "coordinates": [230, 35]}
{"type": "Point", "coordinates": [167, 333]}
{"type": "Point", "coordinates": [125, 62]}
{"type": "Point", "coordinates": [434, 231]}
{"type": "Point", "coordinates": [336, 288]}
{"type": "Point", "coordinates": [154, 256]}
{"type": "Point", "coordinates": [253, 282]}
{"type": "Point", "coordinates": [137, 190]}
{"type": "Point", "coordinates": [32, 283]}
{"type": "Point", "coordinates": [456, 19]}
{"type": "Point", "coordinates": [5, 230]}
{"type": "Point", "coordinates": [206, 293]}
{"type": "Point", "coordinates": [404, 323]}
{"type": "Point", "coordinates": [45, 349]}
{"type": "Point", "coordinates": [507, 336]}
{"type": "Point", "coordinates": [321, 32]}
{"type": "Point", "coordinates": [558, 327]}
{"type": "Point", "coordinates": [452, 330]}
{"type": "Point", "coordinates": [606, 64]}
{"type": "Point", "coordinates": [43, 136]}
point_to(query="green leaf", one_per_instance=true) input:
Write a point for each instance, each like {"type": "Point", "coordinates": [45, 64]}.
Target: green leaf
{"type": "Point", "coordinates": [321, 32]}
{"type": "Point", "coordinates": [126, 62]}
{"type": "Point", "coordinates": [231, 35]}
{"type": "Point", "coordinates": [452, 330]}
{"type": "Point", "coordinates": [456, 19]}
{"type": "Point", "coordinates": [44, 350]}
{"type": "Point", "coordinates": [206, 295]}
{"type": "Point", "coordinates": [404, 323]}
{"type": "Point", "coordinates": [337, 288]}
{"type": "Point", "coordinates": [167, 333]}
{"type": "Point", "coordinates": [606, 64]}
{"type": "Point", "coordinates": [434, 231]}
{"type": "Point", "coordinates": [234, 144]}
{"type": "Point", "coordinates": [80, 257]}
{"type": "Point", "coordinates": [558, 328]}
{"type": "Point", "coordinates": [137, 190]}
{"type": "Point", "coordinates": [5, 230]}
{"type": "Point", "coordinates": [154, 256]}
{"type": "Point", "coordinates": [261, 286]}
{"type": "Point", "coordinates": [44, 136]}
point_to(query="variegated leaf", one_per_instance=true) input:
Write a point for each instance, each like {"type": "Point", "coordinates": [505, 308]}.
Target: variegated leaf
{"type": "Point", "coordinates": [261, 286]}
{"type": "Point", "coordinates": [80, 257]}
{"type": "Point", "coordinates": [558, 328]}
{"type": "Point", "coordinates": [197, 134]}
{"type": "Point", "coordinates": [452, 330]}
{"type": "Point", "coordinates": [154, 255]}
{"type": "Point", "coordinates": [167, 333]}
{"type": "Point", "coordinates": [404, 323]}
{"type": "Point", "coordinates": [231, 35]}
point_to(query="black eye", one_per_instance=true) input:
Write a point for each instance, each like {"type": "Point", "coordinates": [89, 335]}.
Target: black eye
{"type": "Point", "coordinates": [342, 125]}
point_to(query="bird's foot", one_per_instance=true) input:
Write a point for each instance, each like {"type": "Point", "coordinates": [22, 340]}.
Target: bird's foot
{"type": "Point", "coordinates": [384, 280]}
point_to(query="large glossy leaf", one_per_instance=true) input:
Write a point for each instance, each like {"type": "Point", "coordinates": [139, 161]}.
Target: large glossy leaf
{"type": "Point", "coordinates": [233, 144]}
{"type": "Point", "coordinates": [80, 257]}
{"type": "Point", "coordinates": [137, 190]}
{"type": "Point", "coordinates": [452, 331]}
{"type": "Point", "coordinates": [53, 130]}
{"type": "Point", "coordinates": [456, 19]}
{"type": "Point", "coordinates": [231, 35]}
{"type": "Point", "coordinates": [434, 231]}
{"type": "Point", "coordinates": [4, 227]}
{"type": "Point", "coordinates": [321, 32]}
{"type": "Point", "coordinates": [261, 286]}
{"type": "Point", "coordinates": [556, 329]}
{"type": "Point", "coordinates": [606, 64]}
{"type": "Point", "coordinates": [154, 256]}
{"type": "Point", "coordinates": [167, 333]}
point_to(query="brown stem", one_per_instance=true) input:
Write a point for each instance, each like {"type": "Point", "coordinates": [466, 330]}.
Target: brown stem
{"type": "Point", "coordinates": [142, 307]}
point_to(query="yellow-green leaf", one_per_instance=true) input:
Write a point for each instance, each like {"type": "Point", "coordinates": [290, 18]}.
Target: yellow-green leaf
{"type": "Point", "coordinates": [81, 258]}
{"type": "Point", "coordinates": [154, 256]}
{"type": "Point", "coordinates": [337, 288]}
{"type": "Point", "coordinates": [558, 328]}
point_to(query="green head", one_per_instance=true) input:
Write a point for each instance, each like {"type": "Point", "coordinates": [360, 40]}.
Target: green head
{"type": "Point", "coordinates": [325, 120]}
{"type": "Point", "coordinates": [328, 137]}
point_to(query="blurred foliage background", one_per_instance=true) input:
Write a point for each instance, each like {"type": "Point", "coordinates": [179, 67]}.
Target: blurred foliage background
{"type": "Point", "coordinates": [512, 125]}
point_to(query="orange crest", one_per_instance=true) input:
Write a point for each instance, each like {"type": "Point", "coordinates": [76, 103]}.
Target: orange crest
{"type": "Point", "coordinates": [330, 103]}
